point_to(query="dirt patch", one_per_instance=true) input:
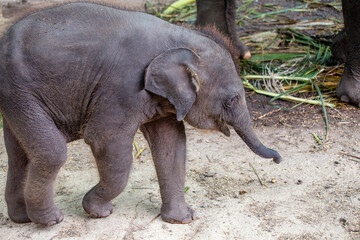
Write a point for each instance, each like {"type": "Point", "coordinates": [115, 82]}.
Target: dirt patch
{"type": "Point", "coordinates": [313, 194]}
{"type": "Point", "coordinates": [269, 114]}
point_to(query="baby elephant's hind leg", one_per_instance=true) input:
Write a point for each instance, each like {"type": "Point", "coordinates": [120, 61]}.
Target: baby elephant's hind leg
{"type": "Point", "coordinates": [46, 149]}
{"type": "Point", "coordinates": [17, 162]}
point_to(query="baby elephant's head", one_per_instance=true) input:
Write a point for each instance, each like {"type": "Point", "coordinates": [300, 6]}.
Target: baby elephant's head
{"type": "Point", "coordinates": [206, 91]}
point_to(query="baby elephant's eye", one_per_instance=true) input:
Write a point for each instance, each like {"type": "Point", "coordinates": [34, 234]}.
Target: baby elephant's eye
{"type": "Point", "coordinates": [230, 102]}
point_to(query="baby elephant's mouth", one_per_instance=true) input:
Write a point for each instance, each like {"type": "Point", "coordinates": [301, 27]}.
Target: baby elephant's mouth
{"type": "Point", "coordinates": [223, 128]}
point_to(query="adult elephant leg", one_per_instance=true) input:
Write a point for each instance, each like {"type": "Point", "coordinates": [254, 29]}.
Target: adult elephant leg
{"type": "Point", "coordinates": [348, 89]}
{"type": "Point", "coordinates": [338, 47]}
{"type": "Point", "coordinates": [167, 141]}
{"type": "Point", "coordinates": [221, 13]}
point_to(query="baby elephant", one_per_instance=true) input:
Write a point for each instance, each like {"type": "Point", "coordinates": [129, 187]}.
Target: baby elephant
{"type": "Point", "coordinates": [84, 70]}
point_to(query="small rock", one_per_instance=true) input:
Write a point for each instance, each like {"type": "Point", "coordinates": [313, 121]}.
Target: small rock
{"type": "Point", "coordinates": [343, 221]}
{"type": "Point", "coordinates": [204, 205]}
{"type": "Point", "coordinates": [208, 174]}
{"type": "Point", "coordinates": [299, 182]}
{"type": "Point", "coordinates": [242, 192]}
{"type": "Point", "coordinates": [145, 152]}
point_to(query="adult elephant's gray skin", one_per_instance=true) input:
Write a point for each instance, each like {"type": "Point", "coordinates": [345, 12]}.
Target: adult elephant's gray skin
{"type": "Point", "coordinates": [346, 47]}
{"type": "Point", "coordinates": [88, 71]}
{"type": "Point", "coordinates": [221, 14]}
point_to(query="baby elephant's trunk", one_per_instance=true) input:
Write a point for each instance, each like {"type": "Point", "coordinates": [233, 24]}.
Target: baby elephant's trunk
{"type": "Point", "coordinates": [246, 132]}
{"type": "Point", "coordinates": [257, 147]}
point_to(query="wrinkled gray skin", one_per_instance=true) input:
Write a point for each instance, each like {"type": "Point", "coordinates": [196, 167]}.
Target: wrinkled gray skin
{"type": "Point", "coordinates": [346, 47]}
{"type": "Point", "coordinates": [88, 71]}
{"type": "Point", "coordinates": [221, 14]}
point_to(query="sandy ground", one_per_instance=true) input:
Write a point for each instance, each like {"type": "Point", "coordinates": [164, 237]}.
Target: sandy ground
{"type": "Point", "coordinates": [313, 194]}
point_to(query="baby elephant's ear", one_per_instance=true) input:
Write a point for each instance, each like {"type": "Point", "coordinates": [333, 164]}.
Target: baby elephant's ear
{"type": "Point", "coordinates": [172, 75]}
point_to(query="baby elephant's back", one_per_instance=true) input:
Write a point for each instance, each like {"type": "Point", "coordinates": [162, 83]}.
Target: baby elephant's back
{"type": "Point", "coordinates": [65, 51]}
{"type": "Point", "coordinates": [65, 39]}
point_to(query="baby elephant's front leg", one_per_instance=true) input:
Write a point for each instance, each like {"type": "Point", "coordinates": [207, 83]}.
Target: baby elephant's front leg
{"type": "Point", "coordinates": [167, 140]}
{"type": "Point", "coordinates": [113, 159]}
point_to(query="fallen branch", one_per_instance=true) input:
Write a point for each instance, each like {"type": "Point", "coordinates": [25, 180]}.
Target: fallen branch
{"type": "Point", "coordinates": [301, 79]}
{"type": "Point", "coordinates": [267, 114]}
{"type": "Point", "coordinates": [155, 218]}
{"type": "Point", "coordinates": [350, 155]}
{"type": "Point", "coordinates": [289, 98]}
{"type": "Point", "coordinates": [261, 182]}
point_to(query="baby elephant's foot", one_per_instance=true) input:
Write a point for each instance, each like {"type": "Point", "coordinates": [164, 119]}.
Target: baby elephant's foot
{"type": "Point", "coordinates": [177, 213]}
{"type": "Point", "coordinates": [18, 214]}
{"type": "Point", "coordinates": [95, 206]}
{"type": "Point", "coordinates": [48, 217]}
